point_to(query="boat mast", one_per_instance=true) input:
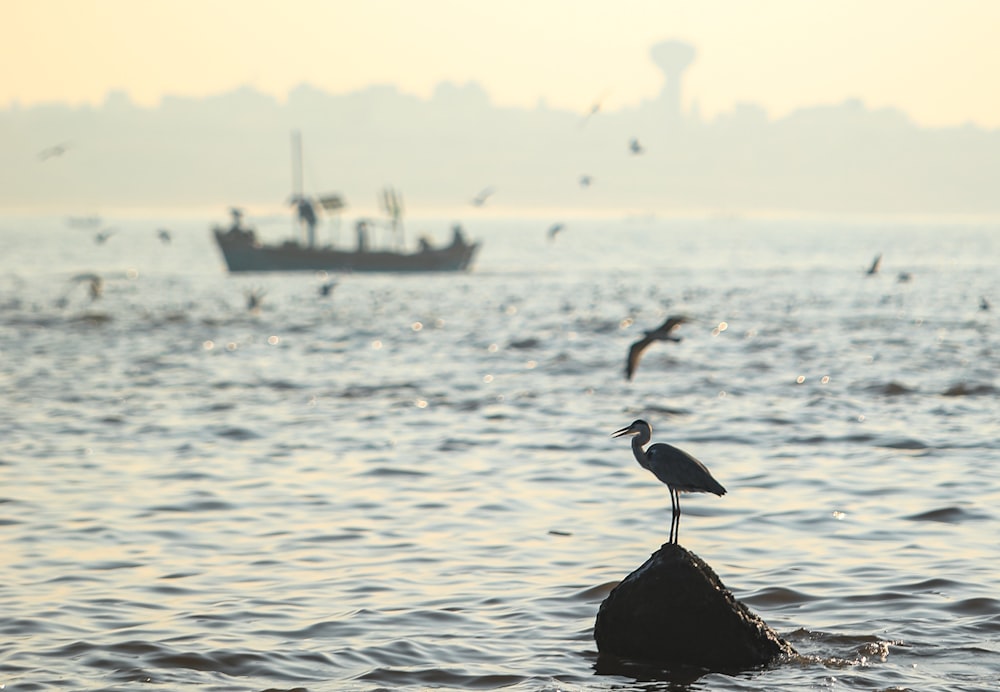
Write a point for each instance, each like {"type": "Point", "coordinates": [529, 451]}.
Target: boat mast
{"type": "Point", "coordinates": [297, 192]}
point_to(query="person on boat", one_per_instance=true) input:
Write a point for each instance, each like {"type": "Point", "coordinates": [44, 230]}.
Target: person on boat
{"type": "Point", "coordinates": [362, 230]}
{"type": "Point", "coordinates": [458, 237]}
{"type": "Point", "coordinates": [425, 244]}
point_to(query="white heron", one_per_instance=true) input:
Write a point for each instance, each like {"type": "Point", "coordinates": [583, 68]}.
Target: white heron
{"type": "Point", "coordinates": [680, 471]}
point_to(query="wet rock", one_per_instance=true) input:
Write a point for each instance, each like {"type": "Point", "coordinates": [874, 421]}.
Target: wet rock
{"type": "Point", "coordinates": [674, 610]}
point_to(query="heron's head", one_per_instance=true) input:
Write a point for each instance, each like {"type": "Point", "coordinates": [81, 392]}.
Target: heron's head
{"type": "Point", "coordinates": [638, 427]}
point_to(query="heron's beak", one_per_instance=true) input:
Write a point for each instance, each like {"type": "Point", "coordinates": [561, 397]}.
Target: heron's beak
{"type": "Point", "coordinates": [623, 431]}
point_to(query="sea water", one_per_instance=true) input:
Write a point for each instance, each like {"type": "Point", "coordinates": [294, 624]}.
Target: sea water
{"type": "Point", "coordinates": [410, 483]}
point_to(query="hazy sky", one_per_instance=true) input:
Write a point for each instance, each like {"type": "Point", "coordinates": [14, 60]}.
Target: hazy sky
{"type": "Point", "coordinates": [935, 60]}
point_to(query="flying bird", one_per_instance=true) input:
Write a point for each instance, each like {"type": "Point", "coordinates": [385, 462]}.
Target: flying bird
{"type": "Point", "coordinates": [594, 109]}
{"type": "Point", "coordinates": [662, 333]}
{"type": "Point", "coordinates": [255, 298]}
{"type": "Point", "coordinates": [680, 471]}
{"type": "Point", "coordinates": [164, 235]}
{"type": "Point", "coordinates": [53, 151]}
{"type": "Point", "coordinates": [585, 180]}
{"type": "Point", "coordinates": [554, 230]}
{"type": "Point", "coordinates": [95, 281]}
{"type": "Point", "coordinates": [103, 236]}
{"type": "Point", "coordinates": [634, 147]}
{"type": "Point", "coordinates": [325, 289]}
{"type": "Point", "coordinates": [484, 194]}
{"type": "Point", "coordinates": [876, 264]}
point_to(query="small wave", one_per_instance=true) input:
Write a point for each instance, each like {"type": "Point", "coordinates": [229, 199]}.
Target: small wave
{"type": "Point", "coordinates": [439, 677]}
{"type": "Point", "coordinates": [238, 434]}
{"type": "Point", "coordinates": [946, 515]}
{"type": "Point", "coordinates": [390, 471]}
{"type": "Point", "coordinates": [778, 596]}
{"type": "Point", "coordinates": [904, 444]}
{"type": "Point", "coordinates": [890, 389]}
{"type": "Point", "coordinates": [975, 606]}
{"type": "Point", "coordinates": [963, 389]}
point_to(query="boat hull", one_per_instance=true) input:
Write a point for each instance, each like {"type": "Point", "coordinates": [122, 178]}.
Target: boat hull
{"type": "Point", "coordinates": [243, 253]}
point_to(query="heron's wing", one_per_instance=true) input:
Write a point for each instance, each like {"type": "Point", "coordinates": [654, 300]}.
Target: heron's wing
{"type": "Point", "coordinates": [681, 471]}
{"type": "Point", "coordinates": [634, 354]}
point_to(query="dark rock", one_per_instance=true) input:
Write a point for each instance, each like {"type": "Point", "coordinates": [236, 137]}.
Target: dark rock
{"type": "Point", "coordinates": [675, 610]}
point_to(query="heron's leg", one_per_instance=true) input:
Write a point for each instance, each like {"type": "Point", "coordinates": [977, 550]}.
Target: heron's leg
{"type": "Point", "coordinates": [677, 516]}
{"type": "Point", "coordinates": [674, 515]}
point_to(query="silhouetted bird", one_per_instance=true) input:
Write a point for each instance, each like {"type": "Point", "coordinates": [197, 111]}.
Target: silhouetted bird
{"type": "Point", "coordinates": [50, 152]}
{"type": "Point", "coordinates": [595, 108]}
{"type": "Point", "coordinates": [164, 235]}
{"type": "Point", "coordinates": [585, 180]}
{"type": "Point", "coordinates": [484, 194]}
{"type": "Point", "coordinates": [983, 303]}
{"type": "Point", "coordinates": [661, 333]}
{"type": "Point", "coordinates": [327, 288]}
{"type": "Point", "coordinates": [634, 147]}
{"type": "Point", "coordinates": [554, 230]}
{"type": "Point", "coordinates": [103, 236]}
{"type": "Point", "coordinates": [876, 264]}
{"type": "Point", "coordinates": [680, 471]}
{"type": "Point", "coordinates": [95, 281]}
{"type": "Point", "coordinates": [255, 298]}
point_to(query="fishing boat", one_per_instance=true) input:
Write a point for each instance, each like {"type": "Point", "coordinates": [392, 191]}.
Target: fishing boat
{"type": "Point", "coordinates": [244, 252]}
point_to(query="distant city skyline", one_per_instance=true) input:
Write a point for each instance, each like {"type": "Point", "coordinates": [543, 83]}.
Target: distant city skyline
{"type": "Point", "coordinates": [933, 61]}
{"type": "Point", "coordinates": [441, 152]}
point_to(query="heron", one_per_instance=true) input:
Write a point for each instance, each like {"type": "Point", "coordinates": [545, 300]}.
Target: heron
{"type": "Point", "coordinates": [680, 471]}
{"type": "Point", "coordinates": [661, 333]}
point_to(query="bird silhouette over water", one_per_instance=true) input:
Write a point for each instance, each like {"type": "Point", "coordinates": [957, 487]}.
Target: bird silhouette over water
{"type": "Point", "coordinates": [484, 194]}
{"type": "Point", "coordinates": [95, 282]}
{"type": "Point", "coordinates": [164, 235]}
{"type": "Point", "coordinates": [876, 265]}
{"type": "Point", "coordinates": [680, 471]}
{"type": "Point", "coordinates": [325, 289]}
{"type": "Point", "coordinates": [102, 236]}
{"type": "Point", "coordinates": [53, 151]}
{"type": "Point", "coordinates": [554, 230]}
{"type": "Point", "coordinates": [255, 299]}
{"type": "Point", "coordinates": [662, 333]}
{"type": "Point", "coordinates": [634, 147]}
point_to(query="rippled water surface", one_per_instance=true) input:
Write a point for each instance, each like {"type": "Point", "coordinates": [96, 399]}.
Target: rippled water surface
{"type": "Point", "coordinates": [410, 483]}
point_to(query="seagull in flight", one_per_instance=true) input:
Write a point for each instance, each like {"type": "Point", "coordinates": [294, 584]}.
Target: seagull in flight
{"type": "Point", "coordinates": [484, 194]}
{"type": "Point", "coordinates": [662, 333]}
{"type": "Point", "coordinates": [53, 151]}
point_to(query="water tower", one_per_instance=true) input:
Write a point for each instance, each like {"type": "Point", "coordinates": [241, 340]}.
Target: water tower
{"type": "Point", "coordinates": [673, 57]}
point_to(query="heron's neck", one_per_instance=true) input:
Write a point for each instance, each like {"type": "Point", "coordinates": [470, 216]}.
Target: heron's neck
{"type": "Point", "coordinates": [639, 452]}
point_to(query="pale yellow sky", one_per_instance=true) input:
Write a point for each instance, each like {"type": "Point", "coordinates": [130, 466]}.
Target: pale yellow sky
{"type": "Point", "coordinates": [935, 60]}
